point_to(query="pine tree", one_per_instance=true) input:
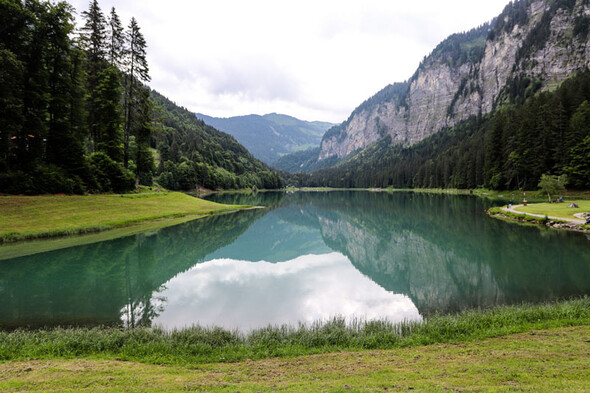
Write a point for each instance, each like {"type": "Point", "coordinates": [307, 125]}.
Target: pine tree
{"type": "Point", "coordinates": [136, 73]}
{"type": "Point", "coordinates": [94, 33]}
{"type": "Point", "coordinates": [144, 161]}
{"type": "Point", "coordinates": [109, 119]}
{"type": "Point", "coordinates": [64, 148]}
{"type": "Point", "coordinates": [14, 19]}
{"type": "Point", "coordinates": [116, 41]}
{"type": "Point", "coordinates": [93, 38]}
{"type": "Point", "coordinates": [30, 141]}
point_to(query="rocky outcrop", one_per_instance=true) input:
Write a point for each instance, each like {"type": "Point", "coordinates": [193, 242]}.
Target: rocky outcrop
{"type": "Point", "coordinates": [546, 43]}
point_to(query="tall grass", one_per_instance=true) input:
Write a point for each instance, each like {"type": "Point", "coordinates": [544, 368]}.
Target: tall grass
{"type": "Point", "coordinates": [205, 345]}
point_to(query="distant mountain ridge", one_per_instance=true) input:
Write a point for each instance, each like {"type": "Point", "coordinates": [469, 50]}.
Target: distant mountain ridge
{"type": "Point", "coordinates": [270, 136]}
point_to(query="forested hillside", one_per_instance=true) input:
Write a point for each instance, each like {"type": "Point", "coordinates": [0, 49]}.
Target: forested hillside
{"type": "Point", "coordinates": [76, 115]}
{"type": "Point", "coordinates": [471, 82]}
{"type": "Point", "coordinates": [192, 152]}
{"type": "Point", "coordinates": [497, 106]}
{"type": "Point", "coordinates": [508, 149]}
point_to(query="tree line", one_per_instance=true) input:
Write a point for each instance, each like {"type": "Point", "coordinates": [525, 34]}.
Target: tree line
{"type": "Point", "coordinates": [76, 115]}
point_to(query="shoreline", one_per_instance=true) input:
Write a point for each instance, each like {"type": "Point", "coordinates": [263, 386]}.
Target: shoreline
{"type": "Point", "coordinates": [517, 217]}
{"type": "Point", "coordinates": [45, 223]}
{"type": "Point", "coordinates": [26, 247]}
{"type": "Point", "coordinates": [200, 345]}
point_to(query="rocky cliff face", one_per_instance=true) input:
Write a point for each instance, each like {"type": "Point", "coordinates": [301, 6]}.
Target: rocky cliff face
{"type": "Point", "coordinates": [544, 40]}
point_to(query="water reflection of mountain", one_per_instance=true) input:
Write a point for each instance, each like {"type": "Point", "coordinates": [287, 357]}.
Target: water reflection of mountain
{"type": "Point", "coordinates": [282, 235]}
{"type": "Point", "coordinates": [445, 254]}
{"type": "Point", "coordinates": [441, 251]}
{"type": "Point", "coordinates": [104, 282]}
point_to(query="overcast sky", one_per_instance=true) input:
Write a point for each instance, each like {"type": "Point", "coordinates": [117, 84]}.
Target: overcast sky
{"type": "Point", "coordinates": [315, 60]}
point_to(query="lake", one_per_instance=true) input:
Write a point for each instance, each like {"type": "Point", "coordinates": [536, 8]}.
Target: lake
{"type": "Point", "coordinates": [305, 257]}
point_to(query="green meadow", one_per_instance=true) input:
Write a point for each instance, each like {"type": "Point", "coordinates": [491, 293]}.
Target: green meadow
{"type": "Point", "coordinates": [31, 217]}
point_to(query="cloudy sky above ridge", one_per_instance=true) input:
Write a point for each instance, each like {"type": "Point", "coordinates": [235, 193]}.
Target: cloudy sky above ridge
{"type": "Point", "coordinates": [315, 60]}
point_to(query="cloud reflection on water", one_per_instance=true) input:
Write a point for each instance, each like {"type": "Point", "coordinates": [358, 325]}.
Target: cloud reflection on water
{"type": "Point", "coordinates": [247, 295]}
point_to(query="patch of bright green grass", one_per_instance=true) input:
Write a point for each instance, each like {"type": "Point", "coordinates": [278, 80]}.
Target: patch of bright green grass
{"type": "Point", "coordinates": [19, 249]}
{"type": "Point", "coordinates": [29, 217]}
{"type": "Point", "coordinates": [557, 209]}
{"type": "Point", "coordinates": [525, 219]}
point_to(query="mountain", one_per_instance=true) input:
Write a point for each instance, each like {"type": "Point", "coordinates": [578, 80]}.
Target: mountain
{"type": "Point", "coordinates": [498, 107]}
{"type": "Point", "coordinates": [534, 43]}
{"type": "Point", "coordinates": [270, 136]}
{"type": "Point", "coordinates": [304, 161]}
{"type": "Point", "coordinates": [193, 154]}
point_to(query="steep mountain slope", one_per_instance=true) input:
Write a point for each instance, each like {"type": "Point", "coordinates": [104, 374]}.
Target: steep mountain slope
{"type": "Point", "coordinates": [532, 44]}
{"type": "Point", "coordinates": [304, 161]}
{"type": "Point", "coordinates": [511, 148]}
{"type": "Point", "coordinates": [270, 136]}
{"type": "Point", "coordinates": [193, 154]}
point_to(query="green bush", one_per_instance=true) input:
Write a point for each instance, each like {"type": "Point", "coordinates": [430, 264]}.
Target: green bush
{"type": "Point", "coordinates": [110, 175]}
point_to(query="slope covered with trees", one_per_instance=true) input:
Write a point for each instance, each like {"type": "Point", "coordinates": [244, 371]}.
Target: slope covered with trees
{"type": "Point", "coordinates": [76, 115]}
{"type": "Point", "coordinates": [192, 153]}
{"type": "Point", "coordinates": [509, 149]}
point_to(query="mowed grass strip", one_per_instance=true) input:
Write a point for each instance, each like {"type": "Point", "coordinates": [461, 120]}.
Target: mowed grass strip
{"type": "Point", "coordinates": [535, 361]}
{"type": "Point", "coordinates": [23, 217]}
{"type": "Point", "coordinates": [557, 209]}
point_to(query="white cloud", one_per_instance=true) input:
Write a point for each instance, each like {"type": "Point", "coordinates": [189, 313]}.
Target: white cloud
{"type": "Point", "coordinates": [316, 60]}
{"type": "Point", "coordinates": [232, 294]}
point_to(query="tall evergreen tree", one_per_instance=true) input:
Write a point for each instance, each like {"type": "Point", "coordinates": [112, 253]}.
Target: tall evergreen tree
{"type": "Point", "coordinates": [137, 72]}
{"type": "Point", "coordinates": [14, 35]}
{"type": "Point", "coordinates": [30, 141]}
{"type": "Point", "coordinates": [116, 41]}
{"type": "Point", "coordinates": [63, 147]}
{"type": "Point", "coordinates": [94, 33]}
{"type": "Point", "coordinates": [144, 161]}
{"type": "Point", "coordinates": [94, 41]}
{"type": "Point", "coordinates": [109, 118]}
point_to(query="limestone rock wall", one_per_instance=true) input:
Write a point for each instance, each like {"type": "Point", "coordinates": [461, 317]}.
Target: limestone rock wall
{"type": "Point", "coordinates": [441, 95]}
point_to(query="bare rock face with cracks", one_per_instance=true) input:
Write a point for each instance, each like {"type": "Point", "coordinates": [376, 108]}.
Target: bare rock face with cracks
{"type": "Point", "coordinates": [541, 41]}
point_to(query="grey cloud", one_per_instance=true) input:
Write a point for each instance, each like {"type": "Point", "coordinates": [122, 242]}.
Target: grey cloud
{"type": "Point", "coordinates": [252, 78]}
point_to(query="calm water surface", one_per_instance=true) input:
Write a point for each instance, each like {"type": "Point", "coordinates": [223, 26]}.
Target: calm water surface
{"type": "Point", "coordinates": [306, 257]}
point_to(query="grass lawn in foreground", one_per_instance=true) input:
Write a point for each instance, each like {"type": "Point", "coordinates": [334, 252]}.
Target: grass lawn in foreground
{"type": "Point", "coordinates": [23, 217]}
{"type": "Point", "coordinates": [557, 209]}
{"type": "Point", "coordinates": [548, 360]}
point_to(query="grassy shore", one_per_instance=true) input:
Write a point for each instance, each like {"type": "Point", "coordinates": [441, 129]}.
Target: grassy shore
{"type": "Point", "coordinates": [548, 360]}
{"type": "Point", "coordinates": [198, 345]}
{"type": "Point", "coordinates": [557, 209]}
{"type": "Point", "coordinates": [554, 215]}
{"type": "Point", "coordinates": [527, 347]}
{"type": "Point", "coordinates": [32, 217]}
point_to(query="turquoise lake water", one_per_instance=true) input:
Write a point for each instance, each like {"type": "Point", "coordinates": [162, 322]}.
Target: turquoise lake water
{"type": "Point", "coordinates": [305, 257]}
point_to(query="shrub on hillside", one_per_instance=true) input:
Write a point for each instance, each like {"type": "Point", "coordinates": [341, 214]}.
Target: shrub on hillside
{"type": "Point", "coordinates": [110, 175]}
